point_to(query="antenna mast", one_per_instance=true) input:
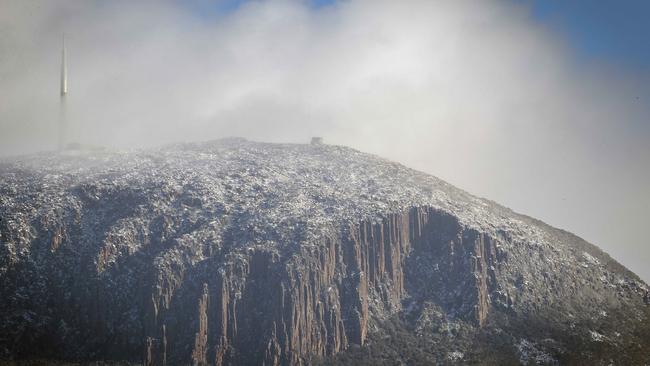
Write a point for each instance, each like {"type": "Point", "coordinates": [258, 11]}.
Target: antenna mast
{"type": "Point", "coordinates": [64, 92]}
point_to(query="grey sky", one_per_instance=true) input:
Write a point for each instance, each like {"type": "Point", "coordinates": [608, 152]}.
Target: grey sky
{"type": "Point", "coordinates": [476, 93]}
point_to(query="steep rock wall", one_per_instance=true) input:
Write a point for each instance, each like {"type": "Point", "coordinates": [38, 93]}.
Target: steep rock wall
{"type": "Point", "coordinates": [148, 290]}
{"type": "Point", "coordinates": [270, 309]}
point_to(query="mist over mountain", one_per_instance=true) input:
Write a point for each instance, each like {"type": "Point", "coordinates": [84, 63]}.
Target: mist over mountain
{"type": "Point", "coordinates": [236, 252]}
{"type": "Point", "coordinates": [134, 230]}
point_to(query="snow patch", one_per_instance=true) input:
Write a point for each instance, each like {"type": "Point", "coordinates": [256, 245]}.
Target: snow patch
{"type": "Point", "coordinates": [595, 336]}
{"type": "Point", "coordinates": [455, 356]}
{"type": "Point", "coordinates": [530, 352]}
{"type": "Point", "coordinates": [590, 259]}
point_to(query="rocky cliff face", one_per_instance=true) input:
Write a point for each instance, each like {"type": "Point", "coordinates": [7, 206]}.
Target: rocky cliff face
{"type": "Point", "coordinates": [233, 252]}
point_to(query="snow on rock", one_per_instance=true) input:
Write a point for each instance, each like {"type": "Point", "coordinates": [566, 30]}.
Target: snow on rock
{"type": "Point", "coordinates": [595, 336]}
{"type": "Point", "coordinates": [455, 356]}
{"type": "Point", "coordinates": [530, 353]}
{"type": "Point", "coordinates": [244, 252]}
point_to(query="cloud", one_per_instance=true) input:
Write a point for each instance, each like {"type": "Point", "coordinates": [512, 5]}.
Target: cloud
{"type": "Point", "coordinates": [474, 92]}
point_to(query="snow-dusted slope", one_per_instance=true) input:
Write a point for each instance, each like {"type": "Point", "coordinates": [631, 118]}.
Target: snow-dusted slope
{"type": "Point", "coordinates": [275, 183]}
{"type": "Point", "coordinates": [235, 251]}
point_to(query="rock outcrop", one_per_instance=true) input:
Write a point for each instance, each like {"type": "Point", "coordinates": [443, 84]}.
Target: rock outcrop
{"type": "Point", "coordinates": [235, 252]}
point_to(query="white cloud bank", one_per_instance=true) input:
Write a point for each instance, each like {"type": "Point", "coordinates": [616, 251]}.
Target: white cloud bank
{"type": "Point", "coordinates": [473, 92]}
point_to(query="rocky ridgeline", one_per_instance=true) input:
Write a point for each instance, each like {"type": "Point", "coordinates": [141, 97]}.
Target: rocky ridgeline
{"type": "Point", "coordinates": [235, 252]}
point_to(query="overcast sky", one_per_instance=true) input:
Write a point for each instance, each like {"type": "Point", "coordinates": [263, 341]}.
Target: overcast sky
{"type": "Point", "coordinates": [540, 106]}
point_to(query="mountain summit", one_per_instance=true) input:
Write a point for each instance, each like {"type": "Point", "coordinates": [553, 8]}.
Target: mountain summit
{"type": "Point", "coordinates": [234, 252]}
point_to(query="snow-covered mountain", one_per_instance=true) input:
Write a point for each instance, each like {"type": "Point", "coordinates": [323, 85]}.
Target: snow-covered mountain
{"type": "Point", "coordinates": [238, 252]}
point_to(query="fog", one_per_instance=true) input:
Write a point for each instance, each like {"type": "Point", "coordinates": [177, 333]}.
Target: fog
{"type": "Point", "coordinates": [476, 93]}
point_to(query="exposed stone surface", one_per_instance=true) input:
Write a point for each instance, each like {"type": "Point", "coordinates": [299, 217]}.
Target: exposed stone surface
{"type": "Point", "coordinates": [234, 252]}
